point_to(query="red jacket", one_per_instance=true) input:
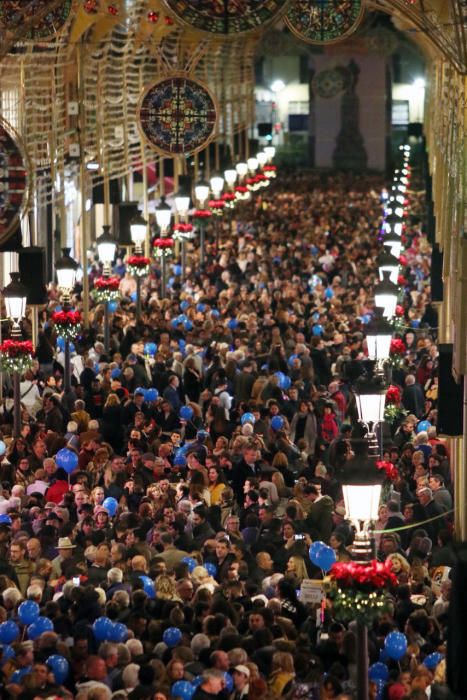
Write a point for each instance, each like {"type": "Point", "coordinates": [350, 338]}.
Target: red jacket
{"type": "Point", "coordinates": [56, 492]}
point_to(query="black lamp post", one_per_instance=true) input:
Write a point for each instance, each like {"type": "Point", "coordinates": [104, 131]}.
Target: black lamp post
{"type": "Point", "coordinates": [361, 487]}
{"type": "Point", "coordinates": [202, 195]}
{"type": "Point", "coordinates": [163, 218]}
{"type": "Point", "coordinates": [15, 295]}
{"type": "Point", "coordinates": [182, 207]}
{"type": "Point", "coordinates": [138, 232]}
{"type": "Point", "coordinates": [66, 269]}
{"type": "Point", "coordinates": [106, 249]}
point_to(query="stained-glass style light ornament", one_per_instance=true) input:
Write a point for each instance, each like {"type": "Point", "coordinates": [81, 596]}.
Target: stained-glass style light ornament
{"type": "Point", "coordinates": [324, 21]}
{"type": "Point", "coordinates": [13, 180]}
{"type": "Point", "coordinates": [13, 13]}
{"type": "Point", "coordinates": [226, 17]}
{"type": "Point", "coordinates": [331, 82]}
{"type": "Point", "coordinates": [177, 115]}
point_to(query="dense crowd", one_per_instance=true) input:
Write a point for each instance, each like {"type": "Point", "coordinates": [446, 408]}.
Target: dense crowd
{"type": "Point", "coordinates": [210, 442]}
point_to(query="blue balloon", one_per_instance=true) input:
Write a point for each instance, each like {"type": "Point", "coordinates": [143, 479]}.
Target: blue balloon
{"type": "Point", "coordinates": [277, 422]}
{"type": "Point", "coordinates": [183, 690]}
{"type": "Point", "coordinates": [112, 306]}
{"type": "Point", "coordinates": [186, 413]}
{"type": "Point", "coordinates": [202, 435]}
{"type": "Point", "coordinates": [190, 562]}
{"type": "Point", "coordinates": [179, 459]}
{"type": "Point", "coordinates": [317, 329]}
{"type": "Point", "coordinates": [148, 586]}
{"type": "Point", "coordinates": [172, 636]}
{"type": "Point", "coordinates": [111, 505]}
{"type": "Point", "coordinates": [177, 270]}
{"type": "Point", "coordinates": [151, 395]}
{"type": "Point", "coordinates": [280, 376]}
{"type": "Point", "coordinates": [150, 349]}
{"type": "Point", "coordinates": [378, 672]}
{"type": "Point", "coordinates": [72, 347]}
{"type": "Point", "coordinates": [432, 660]}
{"type": "Point", "coordinates": [228, 682]}
{"type": "Point", "coordinates": [67, 459]}
{"type": "Point", "coordinates": [2, 448]}
{"type": "Point", "coordinates": [18, 675]}
{"type": "Point", "coordinates": [28, 612]}
{"type": "Point", "coordinates": [182, 344]}
{"type": "Point", "coordinates": [140, 391]}
{"type": "Point", "coordinates": [171, 281]}
{"type": "Point", "coordinates": [232, 324]}
{"type": "Point", "coordinates": [423, 425]}
{"type": "Point", "coordinates": [248, 418]}
{"type": "Point", "coordinates": [61, 343]}
{"type": "Point", "coordinates": [102, 629]}
{"type": "Point", "coordinates": [119, 632]}
{"type": "Point", "coordinates": [6, 653]}
{"type": "Point", "coordinates": [415, 323]}
{"type": "Point", "coordinates": [201, 308]}
{"type": "Point", "coordinates": [210, 568]}
{"type": "Point", "coordinates": [58, 308]}
{"type": "Point", "coordinates": [187, 325]}
{"type": "Point", "coordinates": [329, 293]}
{"type": "Point", "coordinates": [291, 359]}
{"type": "Point", "coordinates": [315, 316]}
{"type": "Point", "coordinates": [5, 519]}
{"type": "Point", "coordinates": [9, 631]}
{"type": "Point", "coordinates": [96, 367]}
{"type": "Point", "coordinates": [133, 296]}
{"type": "Point", "coordinates": [196, 682]}
{"type": "Point", "coordinates": [284, 380]}
{"type": "Point", "coordinates": [60, 667]}
{"type": "Point", "coordinates": [41, 625]}
{"type": "Point", "coordinates": [215, 313]}
{"type": "Point", "coordinates": [326, 558]}
{"type": "Point", "coordinates": [185, 305]}
{"type": "Point", "coordinates": [116, 373]}
{"type": "Point", "coordinates": [314, 551]}
{"type": "Point", "coordinates": [395, 645]}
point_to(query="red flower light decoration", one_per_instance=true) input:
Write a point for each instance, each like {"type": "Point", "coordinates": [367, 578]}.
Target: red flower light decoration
{"type": "Point", "coordinates": [16, 355]}
{"type": "Point", "coordinates": [363, 577]}
{"type": "Point", "coordinates": [403, 260]}
{"type": "Point", "coordinates": [391, 471]}
{"type": "Point", "coordinates": [401, 281]}
{"type": "Point", "coordinates": [393, 395]}
{"type": "Point", "coordinates": [163, 246]}
{"type": "Point", "coordinates": [72, 318]}
{"type": "Point", "coordinates": [153, 17]}
{"type": "Point", "coordinates": [228, 197]}
{"type": "Point", "coordinates": [107, 283]}
{"type": "Point", "coordinates": [202, 213]}
{"type": "Point", "coordinates": [397, 347]}
{"type": "Point", "coordinates": [399, 310]}
{"type": "Point", "coordinates": [138, 261]}
{"type": "Point", "coordinates": [15, 348]}
{"type": "Point", "coordinates": [183, 228]}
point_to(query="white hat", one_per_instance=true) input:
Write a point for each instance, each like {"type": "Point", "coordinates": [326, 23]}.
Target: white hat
{"type": "Point", "coordinates": [65, 543]}
{"type": "Point", "coordinates": [243, 669]}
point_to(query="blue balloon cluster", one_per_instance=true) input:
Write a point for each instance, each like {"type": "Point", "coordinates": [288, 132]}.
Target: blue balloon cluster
{"type": "Point", "coordinates": [322, 555]}
{"type": "Point", "coordinates": [284, 381]}
{"type": "Point", "coordinates": [190, 562]}
{"type": "Point", "coordinates": [67, 460]}
{"type": "Point", "coordinates": [105, 630]}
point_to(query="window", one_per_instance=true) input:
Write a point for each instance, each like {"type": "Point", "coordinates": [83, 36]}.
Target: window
{"type": "Point", "coordinates": [400, 112]}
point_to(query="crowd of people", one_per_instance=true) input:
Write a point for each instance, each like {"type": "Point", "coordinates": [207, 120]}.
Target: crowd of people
{"type": "Point", "coordinates": [211, 439]}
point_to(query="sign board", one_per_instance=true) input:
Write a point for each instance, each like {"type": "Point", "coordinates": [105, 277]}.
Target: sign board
{"type": "Point", "coordinates": [311, 591]}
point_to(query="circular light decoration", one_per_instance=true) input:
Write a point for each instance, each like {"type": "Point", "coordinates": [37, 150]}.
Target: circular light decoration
{"type": "Point", "coordinates": [226, 17]}
{"type": "Point", "coordinates": [177, 115]}
{"type": "Point", "coordinates": [331, 82]}
{"type": "Point", "coordinates": [13, 180]}
{"type": "Point", "coordinates": [13, 14]}
{"type": "Point", "coordinates": [324, 21]}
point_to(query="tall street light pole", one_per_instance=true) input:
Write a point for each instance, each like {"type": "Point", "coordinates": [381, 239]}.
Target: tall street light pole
{"type": "Point", "coordinates": [201, 196]}
{"type": "Point", "coordinates": [138, 232]}
{"type": "Point", "coordinates": [15, 295]}
{"type": "Point", "coordinates": [163, 218]}
{"type": "Point", "coordinates": [106, 249]}
{"type": "Point", "coordinates": [66, 269]}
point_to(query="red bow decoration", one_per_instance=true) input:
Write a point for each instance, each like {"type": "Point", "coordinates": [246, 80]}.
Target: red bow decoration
{"type": "Point", "coordinates": [393, 395]}
{"type": "Point", "coordinates": [138, 261]}
{"type": "Point", "coordinates": [107, 283]}
{"type": "Point", "coordinates": [164, 243]}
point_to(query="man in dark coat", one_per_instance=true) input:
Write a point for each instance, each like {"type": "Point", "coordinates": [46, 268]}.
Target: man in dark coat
{"type": "Point", "coordinates": [413, 399]}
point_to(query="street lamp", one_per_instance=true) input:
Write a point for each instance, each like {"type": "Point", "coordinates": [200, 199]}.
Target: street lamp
{"type": "Point", "coordinates": [138, 232]}
{"type": "Point", "coordinates": [378, 337]}
{"type": "Point", "coordinates": [393, 243]}
{"type": "Point", "coordinates": [386, 293]}
{"type": "Point", "coordinates": [262, 158]}
{"type": "Point", "coordinates": [361, 486]}
{"type": "Point", "coordinates": [217, 185]}
{"type": "Point", "coordinates": [163, 218]}
{"type": "Point", "coordinates": [388, 263]}
{"type": "Point", "coordinates": [230, 175]}
{"type": "Point", "coordinates": [252, 164]}
{"type": "Point", "coordinates": [66, 268]}
{"type": "Point", "coordinates": [270, 152]}
{"type": "Point", "coordinates": [15, 296]}
{"type": "Point", "coordinates": [202, 195]}
{"type": "Point", "coordinates": [242, 169]}
{"type": "Point", "coordinates": [182, 206]}
{"type": "Point", "coordinates": [106, 249]}
{"type": "Point", "coordinates": [370, 395]}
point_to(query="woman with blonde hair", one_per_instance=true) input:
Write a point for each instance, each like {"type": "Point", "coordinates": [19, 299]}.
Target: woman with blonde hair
{"type": "Point", "coordinates": [400, 566]}
{"type": "Point", "coordinates": [296, 569]}
{"type": "Point", "coordinates": [165, 588]}
{"type": "Point", "coordinates": [282, 673]}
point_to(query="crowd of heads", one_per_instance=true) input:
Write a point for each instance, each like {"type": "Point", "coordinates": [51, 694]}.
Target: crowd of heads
{"type": "Point", "coordinates": [208, 446]}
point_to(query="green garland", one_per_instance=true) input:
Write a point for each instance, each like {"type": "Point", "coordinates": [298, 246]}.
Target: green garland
{"type": "Point", "coordinates": [351, 604]}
